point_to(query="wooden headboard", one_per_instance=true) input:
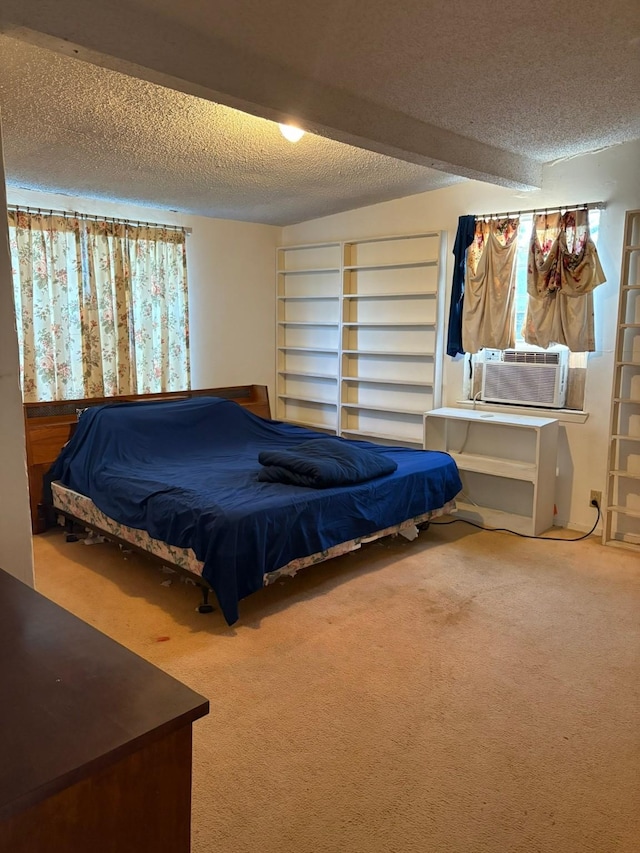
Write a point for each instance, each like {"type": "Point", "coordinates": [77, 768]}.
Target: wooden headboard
{"type": "Point", "coordinates": [48, 427]}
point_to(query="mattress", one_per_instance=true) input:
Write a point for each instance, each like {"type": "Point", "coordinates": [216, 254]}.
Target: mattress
{"type": "Point", "coordinates": [81, 507]}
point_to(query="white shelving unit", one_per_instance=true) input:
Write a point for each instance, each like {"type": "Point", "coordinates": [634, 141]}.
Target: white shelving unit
{"type": "Point", "coordinates": [308, 295]}
{"type": "Point", "coordinates": [507, 465]}
{"type": "Point", "coordinates": [359, 337]}
{"type": "Point", "coordinates": [622, 507]}
{"type": "Point", "coordinates": [390, 336]}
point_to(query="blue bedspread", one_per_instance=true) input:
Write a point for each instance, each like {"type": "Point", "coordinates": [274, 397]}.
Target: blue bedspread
{"type": "Point", "coordinates": [187, 473]}
{"type": "Point", "coordinates": [323, 462]}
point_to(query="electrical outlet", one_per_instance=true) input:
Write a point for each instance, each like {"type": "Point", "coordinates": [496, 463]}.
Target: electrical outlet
{"type": "Point", "coordinates": [595, 498]}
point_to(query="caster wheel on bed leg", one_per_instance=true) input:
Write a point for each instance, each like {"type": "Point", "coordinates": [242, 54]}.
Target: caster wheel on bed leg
{"type": "Point", "coordinates": [205, 607]}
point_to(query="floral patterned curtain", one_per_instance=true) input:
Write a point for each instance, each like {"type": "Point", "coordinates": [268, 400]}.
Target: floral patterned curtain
{"type": "Point", "coordinates": [563, 271]}
{"type": "Point", "coordinates": [101, 307]}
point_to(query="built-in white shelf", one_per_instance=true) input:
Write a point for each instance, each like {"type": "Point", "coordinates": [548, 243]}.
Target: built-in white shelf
{"type": "Point", "coordinates": [375, 303]}
{"type": "Point", "coordinates": [314, 298]}
{"type": "Point", "coordinates": [386, 436]}
{"type": "Point", "coordinates": [363, 380]}
{"type": "Point", "coordinates": [374, 408]}
{"type": "Point", "coordinates": [305, 323]}
{"type": "Point", "coordinates": [378, 324]}
{"type": "Point", "coordinates": [308, 349]}
{"type": "Point", "coordinates": [400, 294]}
{"type": "Point", "coordinates": [302, 399]}
{"type": "Point", "coordinates": [309, 374]}
{"type": "Point", "coordinates": [427, 262]}
{"type": "Point", "coordinates": [388, 353]}
{"type": "Point", "coordinates": [309, 271]}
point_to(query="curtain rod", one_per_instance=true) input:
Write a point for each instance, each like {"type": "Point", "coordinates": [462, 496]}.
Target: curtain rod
{"type": "Point", "coordinates": [75, 214]}
{"type": "Point", "coordinates": [554, 208]}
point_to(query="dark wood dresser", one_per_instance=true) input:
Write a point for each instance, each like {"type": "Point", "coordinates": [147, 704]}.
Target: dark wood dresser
{"type": "Point", "coordinates": [95, 742]}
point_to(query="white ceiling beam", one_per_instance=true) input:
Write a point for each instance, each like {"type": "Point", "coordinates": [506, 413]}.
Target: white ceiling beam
{"type": "Point", "coordinates": [120, 36]}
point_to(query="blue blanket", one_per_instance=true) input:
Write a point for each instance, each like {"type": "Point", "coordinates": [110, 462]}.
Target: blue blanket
{"type": "Point", "coordinates": [322, 463]}
{"type": "Point", "coordinates": [187, 473]}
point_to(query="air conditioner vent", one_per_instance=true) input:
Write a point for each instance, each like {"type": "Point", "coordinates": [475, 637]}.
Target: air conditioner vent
{"type": "Point", "coordinates": [514, 356]}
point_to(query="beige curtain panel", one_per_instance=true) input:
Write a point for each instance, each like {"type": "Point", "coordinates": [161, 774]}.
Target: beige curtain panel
{"type": "Point", "coordinates": [488, 317]}
{"type": "Point", "coordinates": [563, 271]}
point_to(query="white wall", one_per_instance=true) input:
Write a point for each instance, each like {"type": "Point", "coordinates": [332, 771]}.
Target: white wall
{"type": "Point", "coordinates": [612, 176]}
{"type": "Point", "coordinates": [15, 530]}
{"type": "Point", "coordinates": [230, 268]}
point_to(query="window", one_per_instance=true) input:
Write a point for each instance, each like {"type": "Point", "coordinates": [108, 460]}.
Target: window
{"type": "Point", "coordinates": [101, 306]}
{"type": "Point", "coordinates": [577, 361]}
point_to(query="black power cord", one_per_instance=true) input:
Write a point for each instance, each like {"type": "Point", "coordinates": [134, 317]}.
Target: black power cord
{"type": "Point", "coordinates": [594, 504]}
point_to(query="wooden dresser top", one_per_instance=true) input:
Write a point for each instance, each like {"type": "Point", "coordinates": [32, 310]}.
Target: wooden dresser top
{"type": "Point", "coordinates": [72, 701]}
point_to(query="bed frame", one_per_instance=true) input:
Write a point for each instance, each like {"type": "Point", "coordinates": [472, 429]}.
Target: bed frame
{"type": "Point", "coordinates": [48, 427]}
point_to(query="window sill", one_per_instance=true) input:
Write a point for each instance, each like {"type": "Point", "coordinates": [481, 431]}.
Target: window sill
{"type": "Point", "coordinates": [565, 415]}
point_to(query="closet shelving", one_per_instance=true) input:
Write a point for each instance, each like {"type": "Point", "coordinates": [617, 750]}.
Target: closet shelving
{"type": "Point", "coordinates": [622, 507]}
{"type": "Point", "coordinates": [359, 347]}
{"type": "Point", "coordinates": [308, 334]}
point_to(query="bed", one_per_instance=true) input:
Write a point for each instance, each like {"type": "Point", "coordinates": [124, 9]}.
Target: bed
{"type": "Point", "coordinates": [179, 479]}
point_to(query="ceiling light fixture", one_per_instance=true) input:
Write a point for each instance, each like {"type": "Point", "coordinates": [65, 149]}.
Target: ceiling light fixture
{"type": "Point", "coordinates": [290, 132]}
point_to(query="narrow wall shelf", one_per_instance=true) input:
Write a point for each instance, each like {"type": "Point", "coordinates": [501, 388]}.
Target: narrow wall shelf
{"type": "Point", "coordinates": [513, 469]}
{"type": "Point", "coordinates": [621, 514]}
{"type": "Point", "coordinates": [624, 510]}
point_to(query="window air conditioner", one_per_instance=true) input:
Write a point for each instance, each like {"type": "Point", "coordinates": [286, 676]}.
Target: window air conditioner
{"type": "Point", "coordinates": [525, 377]}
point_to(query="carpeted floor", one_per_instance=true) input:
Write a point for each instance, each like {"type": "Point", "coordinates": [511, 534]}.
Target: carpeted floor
{"type": "Point", "coordinates": [467, 692]}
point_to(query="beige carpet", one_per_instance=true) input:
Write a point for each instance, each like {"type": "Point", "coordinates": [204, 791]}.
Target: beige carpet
{"type": "Point", "coordinates": [463, 693]}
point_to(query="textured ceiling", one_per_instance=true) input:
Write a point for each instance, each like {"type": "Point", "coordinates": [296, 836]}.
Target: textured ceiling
{"type": "Point", "coordinates": [488, 92]}
{"type": "Point", "coordinates": [79, 129]}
